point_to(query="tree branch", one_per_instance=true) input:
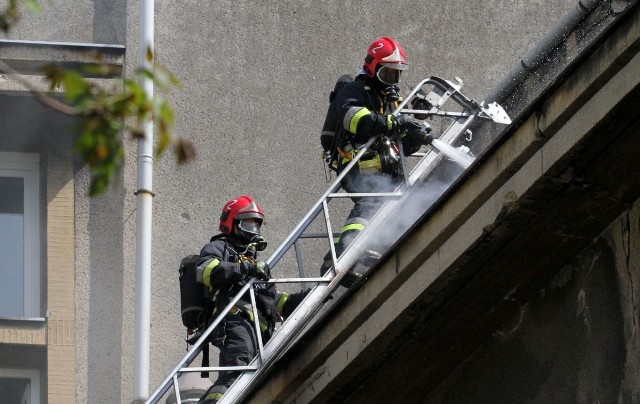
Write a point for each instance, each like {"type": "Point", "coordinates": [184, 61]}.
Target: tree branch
{"type": "Point", "coordinates": [39, 94]}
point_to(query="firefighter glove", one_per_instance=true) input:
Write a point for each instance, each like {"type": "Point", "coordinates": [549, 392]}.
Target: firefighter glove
{"type": "Point", "coordinates": [408, 125]}
{"type": "Point", "coordinates": [259, 269]}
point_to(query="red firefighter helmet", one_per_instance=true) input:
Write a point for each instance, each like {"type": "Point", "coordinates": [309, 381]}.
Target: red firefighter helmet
{"type": "Point", "coordinates": [385, 52]}
{"type": "Point", "coordinates": [242, 207]}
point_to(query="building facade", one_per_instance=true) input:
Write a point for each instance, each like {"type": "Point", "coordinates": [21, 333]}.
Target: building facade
{"type": "Point", "coordinates": [255, 82]}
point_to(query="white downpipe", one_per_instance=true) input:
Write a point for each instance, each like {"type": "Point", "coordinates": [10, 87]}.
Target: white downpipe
{"type": "Point", "coordinates": [144, 199]}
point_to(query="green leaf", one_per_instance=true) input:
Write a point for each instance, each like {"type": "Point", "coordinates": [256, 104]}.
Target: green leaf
{"type": "Point", "coordinates": [4, 24]}
{"type": "Point", "coordinates": [33, 6]}
{"type": "Point", "coordinates": [74, 85]}
{"type": "Point", "coordinates": [145, 73]}
{"type": "Point", "coordinates": [165, 113]}
{"type": "Point", "coordinates": [163, 77]}
{"type": "Point", "coordinates": [163, 142]}
{"type": "Point", "coordinates": [184, 151]}
{"type": "Point", "coordinates": [100, 69]}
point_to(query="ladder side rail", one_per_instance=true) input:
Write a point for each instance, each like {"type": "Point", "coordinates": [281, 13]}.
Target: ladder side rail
{"type": "Point", "coordinates": [275, 257]}
{"type": "Point", "coordinates": [293, 326]}
{"type": "Point", "coordinates": [315, 210]}
{"type": "Point", "coordinates": [197, 346]}
{"type": "Point", "coordinates": [311, 304]}
{"type": "Point", "coordinates": [256, 327]}
{"type": "Point", "coordinates": [296, 322]}
{"type": "Point", "coordinates": [451, 90]}
{"type": "Point", "coordinates": [278, 343]}
{"type": "Point", "coordinates": [427, 163]}
{"type": "Point", "coordinates": [420, 173]}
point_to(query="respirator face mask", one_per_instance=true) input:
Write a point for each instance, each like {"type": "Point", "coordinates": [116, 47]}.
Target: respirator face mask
{"type": "Point", "coordinates": [250, 231]}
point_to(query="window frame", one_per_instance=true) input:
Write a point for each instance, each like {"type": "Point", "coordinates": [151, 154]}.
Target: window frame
{"type": "Point", "coordinates": [27, 167]}
{"type": "Point", "coordinates": [31, 374]}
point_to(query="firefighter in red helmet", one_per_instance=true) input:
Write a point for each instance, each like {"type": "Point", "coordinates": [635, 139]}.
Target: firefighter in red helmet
{"type": "Point", "coordinates": [364, 109]}
{"type": "Point", "coordinates": [226, 263]}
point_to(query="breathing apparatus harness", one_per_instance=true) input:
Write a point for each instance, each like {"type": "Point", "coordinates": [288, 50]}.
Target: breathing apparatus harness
{"type": "Point", "coordinates": [383, 157]}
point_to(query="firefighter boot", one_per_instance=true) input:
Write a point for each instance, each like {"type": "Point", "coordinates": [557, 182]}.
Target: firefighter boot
{"type": "Point", "coordinates": [366, 260]}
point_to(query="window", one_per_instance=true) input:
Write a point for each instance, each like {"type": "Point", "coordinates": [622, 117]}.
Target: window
{"type": "Point", "coordinates": [19, 236]}
{"type": "Point", "coordinates": [20, 386]}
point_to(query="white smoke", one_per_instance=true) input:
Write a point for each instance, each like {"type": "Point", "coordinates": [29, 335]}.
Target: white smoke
{"type": "Point", "coordinates": [414, 206]}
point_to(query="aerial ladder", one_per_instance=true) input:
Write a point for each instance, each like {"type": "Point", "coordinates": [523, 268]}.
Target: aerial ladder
{"type": "Point", "coordinates": [456, 113]}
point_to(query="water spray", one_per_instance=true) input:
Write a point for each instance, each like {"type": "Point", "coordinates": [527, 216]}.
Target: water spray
{"type": "Point", "coordinates": [458, 156]}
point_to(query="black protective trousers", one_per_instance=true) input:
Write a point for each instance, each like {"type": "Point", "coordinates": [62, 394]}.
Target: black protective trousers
{"type": "Point", "coordinates": [237, 342]}
{"type": "Point", "coordinates": [364, 208]}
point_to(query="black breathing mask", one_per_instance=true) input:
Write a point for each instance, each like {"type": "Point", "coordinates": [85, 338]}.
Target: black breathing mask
{"type": "Point", "coordinates": [249, 232]}
{"type": "Point", "coordinates": [259, 243]}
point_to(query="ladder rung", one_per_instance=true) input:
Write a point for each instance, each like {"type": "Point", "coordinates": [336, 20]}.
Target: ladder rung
{"type": "Point", "coordinates": [295, 280]}
{"type": "Point", "coordinates": [366, 194]}
{"type": "Point", "coordinates": [317, 235]}
{"type": "Point", "coordinates": [216, 369]}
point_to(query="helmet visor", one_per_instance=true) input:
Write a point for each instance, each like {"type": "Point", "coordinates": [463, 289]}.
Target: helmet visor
{"type": "Point", "coordinates": [251, 227]}
{"type": "Point", "coordinates": [389, 75]}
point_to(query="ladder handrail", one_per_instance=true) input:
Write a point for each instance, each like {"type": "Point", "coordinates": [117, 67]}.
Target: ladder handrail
{"type": "Point", "coordinates": [315, 209]}
{"type": "Point", "coordinates": [274, 258]}
{"type": "Point", "coordinates": [300, 319]}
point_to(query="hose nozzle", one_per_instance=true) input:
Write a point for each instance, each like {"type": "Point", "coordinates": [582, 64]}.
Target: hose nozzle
{"type": "Point", "coordinates": [427, 137]}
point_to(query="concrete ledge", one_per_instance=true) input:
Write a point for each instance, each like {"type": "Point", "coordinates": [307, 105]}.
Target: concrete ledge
{"type": "Point", "coordinates": [28, 57]}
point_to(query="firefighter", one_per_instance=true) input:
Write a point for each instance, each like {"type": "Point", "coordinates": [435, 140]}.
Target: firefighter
{"type": "Point", "coordinates": [226, 263]}
{"type": "Point", "coordinates": [364, 109]}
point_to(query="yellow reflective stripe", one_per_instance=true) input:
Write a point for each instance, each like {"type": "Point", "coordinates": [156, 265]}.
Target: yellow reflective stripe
{"type": "Point", "coordinates": [263, 323]}
{"type": "Point", "coordinates": [206, 274]}
{"type": "Point", "coordinates": [216, 395]}
{"type": "Point", "coordinates": [281, 302]}
{"type": "Point", "coordinates": [353, 226]}
{"type": "Point", "coordinates": [389, 122]}
{"type": "Point", "coordinates": [353, 123]}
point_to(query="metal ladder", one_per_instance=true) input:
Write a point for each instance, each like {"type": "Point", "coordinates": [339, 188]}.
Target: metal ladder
{"type": "Point", "coordinates": [438, 92]}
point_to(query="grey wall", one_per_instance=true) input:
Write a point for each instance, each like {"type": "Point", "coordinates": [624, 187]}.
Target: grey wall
{"type": "Point", "coordinates": [255, 80]}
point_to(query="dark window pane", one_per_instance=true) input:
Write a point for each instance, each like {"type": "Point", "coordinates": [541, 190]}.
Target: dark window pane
{"type": "Point", "coordinates": [11, 247]}
{"type": "Point", "coordinates": [14, 390]}
{"type": "Point", "coordinates": [11, 195]}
